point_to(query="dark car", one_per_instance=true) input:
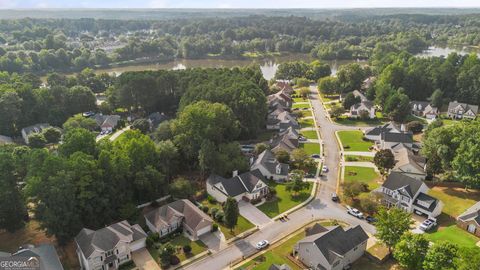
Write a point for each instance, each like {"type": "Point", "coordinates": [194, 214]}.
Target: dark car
{"type": "Point", "coordinates": [370, 219]}
{"type": "Point", "coordinates": [335, 197]}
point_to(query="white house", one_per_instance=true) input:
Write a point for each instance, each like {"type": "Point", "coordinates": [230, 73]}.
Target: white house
{"type": "Point", "coordinates": [37, 128]}
{"type": "Point", "coordinates": [424, 109]}
{"type": "Point", "coordinates": [409, 194]}
{"type": "Point", "coordinates": [366, 107]}
{"type": "Point", "coordinates": [332, 249]}
{"type": "Point", "coordinates": [389, 135]}
{"type": "Point", "coordinates": [457, 110]}
{"type": "Point", "coordinates": [270, 167]}
{"type": "Point", "coordinates": [182, 213]}
{"type": "Point", "coordinates": [107, 122]}
{"type": "Point", "coordinates": [109, 247]}
{"type": "Point", "coordinates": [247, 186]}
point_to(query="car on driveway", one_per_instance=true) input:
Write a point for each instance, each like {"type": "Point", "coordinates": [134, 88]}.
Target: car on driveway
{"type": "Point", "coordinates": [335, 197]}
{"type": "Point", "coordinates": [428, 224]}
{"type": "Point", "coordinates": [370, 219]}
{"type": "Point", "coordinates": [354, 212]}
{"type": "Point", "coordinates": [262, 244]}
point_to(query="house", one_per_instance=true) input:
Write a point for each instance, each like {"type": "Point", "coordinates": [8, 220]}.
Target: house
{"type": "Point", "coordinates": [368, 82]}
{"type": "Point", "coordinates": [457, 110]}
{"type": "Point", "coordinates": [390, 135]}
{"type": "Point", "coordinates": [358, 109]}
{"type": "Point", "coordinates": [107, 122]}
{"type": "Point", "coordinates": [155, 119]}
{"type": "Point", "coordinates": [470, 220]}
{"type": "Point", "coordinates": [409, 162]}
{"type": "Point", "coordinates": [282, 121]}
{"type": "Point", "coordinates": [179, 214]}
{"type": "Point", "coordinates": [269, 166]}
{"type": "Point", "coordinates": [285, 87]}
{"type": "Point", "coordinates": [409, 194]}
{"type": "Point", "coordinates": [279, 267]}
{"type": "Point", "coordinates": [5, 140]}
{"type": "Point", "coordinates": [280, 98]}
{"type": "Point", "coordinates": [44, 255]}
{"type": "Point", "coordinates": [37, 128]}
{"type": "Point", "coordinates": [424, 109]}
{"type": "Point", "coordinates": [109, 247]}
{"type": "Point", "coordinates": [332, 249]}
{"type": "Point", "coordinates": [247, 186]}
{"type": "Point", "coordinates": [286, 140]}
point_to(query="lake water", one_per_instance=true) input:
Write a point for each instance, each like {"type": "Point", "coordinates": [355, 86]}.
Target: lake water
{"type": "Point", "coordinates": [267, 65]}
{"type": "Point", "coordinates": [445, 51]}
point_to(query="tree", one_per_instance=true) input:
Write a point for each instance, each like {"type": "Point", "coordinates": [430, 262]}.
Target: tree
{"type": "Point", "coordinates": [299, 159]}
{"type": "Point", "coordinates": [141, 124]}
{"type": "Point", "coordinates": [336, 111]}
{"type": "Point", "coordinates": [328, 85]}
{"type": "Point", "coordinates": [384, 160]}
{"type": "Point", "coordinates": [391, 225]}
{"type": "Point", "coordinates": [369, 204]}
{"type": "Point", "coordinates": [231, 213]}
{"type": "Point", "coordinates": [350, 77]}
{"type": "Point", "coordinates": [353, 189]}
{"type": "Point", "coordinates": [181, 188]}
{"type": "Point", "coordinates": [415, 126]}
{"type": "Point", "coordinates": [466, 162]}
{"type": "Point", "coordinates": [79, 99]}
{"type": "Point", "coordinates": [410, 251]}
{"type": "Point", "coordinates": [468, 258]}
{"type": "Point", "coordinates": [302, 82]}
{"type": "Point", "coordinates": [350, 100]}
{"type": "Point", "coordinates": [166, 254]}
{"type": "Point", "coordinates": [441, 256]}
{"type": "Point", "coordinates": [282, 156]}
{"type": "Point", "coordinates": [36, 140]}
{"type": "Point", "coordinates": [437, 98]}
{"type": "Point", "coordinates": [52, 135]}
{"type": "Point", "coordinates": [297, 184]}
{"type": "Point", "coordinates": [397, 107]}
{"type": "Point", "coordinates": [259, 148]}
{"type": "Point", "coordinates": [163, 132]}
{"type": "Point", "coordinates": [78, 140]}
{"type": "Point", "coordinates": [78, 121]}
{"type": "Point", "coordinates": [304, 92]}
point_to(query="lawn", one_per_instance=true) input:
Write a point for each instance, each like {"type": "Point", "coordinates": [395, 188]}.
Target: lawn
{"type": "Point", "coordinates": [310, 134]}
{"type": "Point", "coordinates": [300, 99]}
{"type": "Point", "coordinates": [301, 105]}
{"type": "Point", "coordinates": [327, 98]}
{"type": "Point", "coordinates": [344, 120]}
{"type": "Point", "coordinates": [353, 141]}
{"type": "Point", "coordinates": [306, 113]}
{"type": "Point", "coordinates": [453, 234]}
{"type": "Point", "coordinates": [178, 242]}
{"type": "Point", "coordinates": [362, 174]}
{"type": "Point", "coordinates": [456, 200]}
{"type": "Point", "coordinates": [284, 200]}
{"type": "Point", "coordinates": [242, 223]}
{"type": "Point", "coordinates": [353, 158]}
{"type": "Point", "coordinates": [279, 253]}
{"type": "Point", "coordinates": [310, 148]}
{"type": "Point", "coordinates": [304, 123]}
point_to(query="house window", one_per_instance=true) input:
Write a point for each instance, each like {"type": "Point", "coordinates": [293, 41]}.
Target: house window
{"type": "Point", "coordinates": [109, 253]}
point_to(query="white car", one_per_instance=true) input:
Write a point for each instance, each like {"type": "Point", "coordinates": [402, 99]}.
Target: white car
{"type": "Point", "coordinates": [428, 224]}
{"type": "Point", "coordinates": [324, 169]}
{"type": "Point", "coordinates": [354, 212]}
{"type": "Point", "coordinates": [262, 244]}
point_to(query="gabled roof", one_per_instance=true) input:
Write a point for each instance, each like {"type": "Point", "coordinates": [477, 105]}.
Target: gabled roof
{"type": "Point", "coordinates": [364, 105]}
{"type": "Point", "coordinates": [403, 183]}
{"type": "Point", "coordinates": [175, 211]}
{"type": "Point", "coordinates": [359, 94]}
{"type": "Point", "coordinates": [315, 229]}
{"type": "Point", "coordinates": [455, 106]}
{"type": "Point", "coordinates": [397, 137]}
{"type": "Point", "coordinates": [279, 267]}
{"type": "Point", "coordinates": [337, 242]}
{"type": "Point", "coordinates": [404, 156]}
{"type": "Point", "coordinates": [389, 127]}
{"type": "Point", "coordinates": [419, 105]}
{"type": "Point", "coordinates": [239, 184]}
{"type": "Point", "coordinates": [472, 213]}
{"type": "Point", "coordinates": [37, 128]}
{"type": "Point", "coordinates": [267, 160]}
{"type": "Point", "coordinates": [285, 142]}
{"type": "Point", "coordinates": [107, 238]}
{"type": "Point", "coordinates": [427, 202]}
{"type": "Point", "coordinates": [46, 254]}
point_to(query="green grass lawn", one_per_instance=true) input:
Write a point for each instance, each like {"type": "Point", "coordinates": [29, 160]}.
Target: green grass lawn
{"type": "Point", "coordinates": [344, 120]}
{"type": "Point", "coordinates": [178, 243]}
{"type": "Point", "coordinates": [353, 141]}
{"type": "Point", "coordinates": [306, 113]}
{"type": "Point", "coordinates": [304, 123]}
{"type": "Point", "coordinates": [453, 234]}
{"type": "Point", "coordinates": [284, 200]}
{"type": "Point", "coordinates": [242, 224]}
{"type": "Point", "coordinates": [362, 174]}
{"type": "Point", "coordinates": [300, 99]}
{"type": "Point", "coordinates": [300, 105]}
{"type": "Point", "coordinates": [310, 134]}
{"type": "Point", "coordinates": [456, 200]}
{"type": "Point", "coordinates": [310, 148]}
{"type": "Point", "coordinates": [353, 158]}
{"type": "Point", "coordinates": [328, 98]}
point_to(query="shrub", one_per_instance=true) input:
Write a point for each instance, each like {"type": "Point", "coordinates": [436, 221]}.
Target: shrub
{"type": "Point", "coordinates": [174, 260]}
{"type": "Point", "coordinates": [187, 249]}
{"type": "Point", "coordinates": [211, 199]}
{"type": "Point", "coordinates": [415, 126]}
{"type": "Point", "coordinates": [213, 211]}
{"type": "Point", "coordinates": [219, 216]}
{"type": "Point", "coordinates": [205, 209]}
{"type": "Point", "coordinates": [214, 227]}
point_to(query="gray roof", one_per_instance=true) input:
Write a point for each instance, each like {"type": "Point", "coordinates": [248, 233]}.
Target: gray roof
{"type": "Point", "coordinates": [403, 183]}
{"type": "Point", "coordinates": [106, 120]}
{"type": "Point", "coordinates": [472, 213]}
{"type": "Point", "coordinates": [452, 107]}
{"type": "Point", "coordinates": [315, 229]}
{"type": "Point", "coordinates": [399, 137]}
{"type": "Point", "coordinates": [337, 241]}
{"type": "Point", "coordinates": [269, 162]}
{"type": "Point", "coordinates": [191, 215]}
{"type": "Point", "coordinates": [37, 128]}
{"type": "Point", "coordinates": [285, 141]}
{"type": "Point", "coordinates": [384, 128]}
{"type": "Point", "coordinates": [239, 184]}
{"type": "Point", "coordinates": [5, 140]}
{"type": "Point", "coordinates": [419, 105]}
{"type": "Point", "coordinates": [427, 199]}
{"type": "Point", "coordinates": [156, 118]}
{"type": "Point", "coordinates": [107, 238]}
{"type": "Point", "coordinates": [279, 267]}
{"type": "Point", "coordinates": [46, 254]}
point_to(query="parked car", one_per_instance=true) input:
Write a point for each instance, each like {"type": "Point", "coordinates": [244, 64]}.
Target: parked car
{"type": "Point", "coordinates": [262, 244]}
{"type": "Point", "coordinates": [428, 224]}
{"type": "Point", "coordinates": [370, 219]}
{"type": "Point", "coordinates": [324, 169]}
{"type": "Point", "coordinates": [335, 197]}
{"type": "Point", "coordinates": [88, 114]}
{"type": "Point", "coordinates": [315, 156]}
{"type": "Point", "coordinates": [354, 212]}
{"type": "Point", "coordinates": [309, 175]}
{"type": "Point", "coordinates": [302, 139]}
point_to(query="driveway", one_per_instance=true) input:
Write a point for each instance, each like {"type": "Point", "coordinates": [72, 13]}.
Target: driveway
{"type": "Point", "coordinates": [214, 241]}
{"type": "Point", "coordinates": [144, 261]}
{"type": "Point", "coordinates": [252, 214]}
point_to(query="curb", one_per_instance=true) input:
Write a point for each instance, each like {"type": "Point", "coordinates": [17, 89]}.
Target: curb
{"type": "Point", "coordinates": [307, 201]}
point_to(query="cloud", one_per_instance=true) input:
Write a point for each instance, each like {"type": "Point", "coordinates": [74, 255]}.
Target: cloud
{"type": "Point", "coordinates": [158, 4]}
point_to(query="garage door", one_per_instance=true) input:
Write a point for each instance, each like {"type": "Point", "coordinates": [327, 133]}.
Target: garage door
{"type": "Point", "coordinates": [137, 245]}
{"type": "Point", "coordinates": [204, 230]}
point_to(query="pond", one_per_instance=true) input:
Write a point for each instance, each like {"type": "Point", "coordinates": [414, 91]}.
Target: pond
{"type": "Point", "coordinates": [445, 51]}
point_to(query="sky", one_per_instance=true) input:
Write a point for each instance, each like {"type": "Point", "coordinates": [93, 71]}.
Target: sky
{"type": "Point", "coordinates": [9, 4]}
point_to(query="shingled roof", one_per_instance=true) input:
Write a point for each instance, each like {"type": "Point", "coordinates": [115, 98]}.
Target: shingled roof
{"type": "Point", "coordinates": [472, 213]}
{"type": "Point", "coordinates": [239, 184]}
{"type": "Point", "coordinates": [403, 183]}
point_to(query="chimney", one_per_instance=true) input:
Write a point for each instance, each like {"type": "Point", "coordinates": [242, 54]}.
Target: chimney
{"type": "Point", "coordinates": [251, 160]}
{"type": "Point", "coordinates": [235, 173]}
